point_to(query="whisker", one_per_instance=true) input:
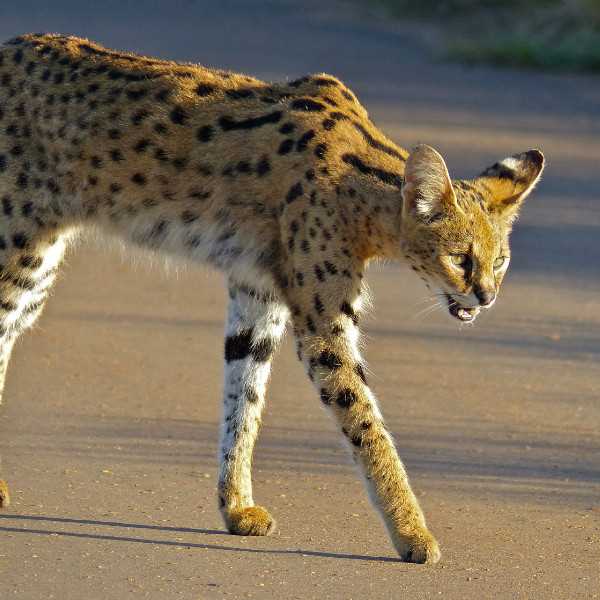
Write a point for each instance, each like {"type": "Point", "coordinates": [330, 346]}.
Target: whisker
{"type": "Point", "coordinates": [427, 310]}
{"type": "Point", "coordinates": [427, 299]}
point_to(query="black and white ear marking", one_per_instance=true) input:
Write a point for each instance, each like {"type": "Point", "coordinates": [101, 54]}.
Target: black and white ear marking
{"type": "Point", "coordinates": [511, 180]}
{"type": "Point", "coordinates": [427, 189]}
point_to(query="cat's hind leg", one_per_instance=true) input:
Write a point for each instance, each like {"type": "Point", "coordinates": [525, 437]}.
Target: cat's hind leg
{"type": "Point", "coordinates": [29, 260]}
{"type": "Point", "coordinates": [255, 325]}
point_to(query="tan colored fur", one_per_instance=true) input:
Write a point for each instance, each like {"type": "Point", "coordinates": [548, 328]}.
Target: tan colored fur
{"type": "Point", "coordinates": [288, 188]}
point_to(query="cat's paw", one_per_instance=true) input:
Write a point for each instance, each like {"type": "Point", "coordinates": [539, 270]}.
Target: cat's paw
{"type": "Point", "coordinates": [422, 548]}
{"type": "Point", "coordinates": [253, 520]}
{"type": "Point", "coordinates": [4, 495]}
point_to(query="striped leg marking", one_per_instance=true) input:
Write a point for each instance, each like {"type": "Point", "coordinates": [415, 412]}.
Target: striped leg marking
{"type": "Point", "coordinates": [255, 325]}
{"type": "Point", "coordinates": [26, 276]}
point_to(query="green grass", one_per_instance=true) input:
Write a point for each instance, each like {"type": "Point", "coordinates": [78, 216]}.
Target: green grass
{"type": "Point", "coordinates": [547, 34]}
{"type": "Point", "coordinates": [576, 51]}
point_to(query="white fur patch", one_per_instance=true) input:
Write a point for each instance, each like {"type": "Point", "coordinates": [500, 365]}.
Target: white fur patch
{"type": "Point", "coordinates": [511, 163]}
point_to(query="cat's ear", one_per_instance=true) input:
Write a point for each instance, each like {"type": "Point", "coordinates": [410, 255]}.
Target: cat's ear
{"type": "Point", "coordinates": [510, 181]}
{"type": "Point", "coordinates": [427, 189]}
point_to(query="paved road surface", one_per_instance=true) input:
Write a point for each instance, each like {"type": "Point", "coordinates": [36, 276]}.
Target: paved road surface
{"type": "Point", "coordinates": [109, 434]}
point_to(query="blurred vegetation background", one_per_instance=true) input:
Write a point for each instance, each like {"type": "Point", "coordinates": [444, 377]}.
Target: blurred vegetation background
{"type": "Point", "coordinates": [549, 34]}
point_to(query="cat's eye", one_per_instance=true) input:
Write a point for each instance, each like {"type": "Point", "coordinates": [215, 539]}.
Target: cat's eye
{"type": "Point", "coordinates": [460, 260]}
{"type": "Point", "coordinates": [499, 262]}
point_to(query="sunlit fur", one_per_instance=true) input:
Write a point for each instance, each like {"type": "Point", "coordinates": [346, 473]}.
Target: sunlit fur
{"type": "Point", "coordinates": [288, 188]}
{"type": "Point", "coordinates": [473, 218]}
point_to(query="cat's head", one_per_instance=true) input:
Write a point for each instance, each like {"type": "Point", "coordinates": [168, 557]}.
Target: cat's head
{"type": "Point", "coordinates": [456, 233]}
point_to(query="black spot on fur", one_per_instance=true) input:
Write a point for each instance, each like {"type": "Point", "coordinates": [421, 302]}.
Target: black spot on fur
{"type": "Point", "coordinates": [326, 397]}
{"type": "Point", "coordinates": [243, 167]}
{"type": "Point", "coordinates": [239, 94]}
{"type": "Point", "coordinates": [162, 95]}
{"type": "Point", "coordinates": [238, 347]}
{"type": "Point", "coordinates": [204, 89]}
{"type": "Point", "coordinates": [142, 145]}
{"type": "Point", "coordinates": [8, 306]}
{"type": "Point", "coordinates": [116, 155]}
{"type": "Point", "coordinates": [310, 324]}
{"type": "Point", "coordinates": [262, 350]}
{"type": "Point", "coordinates": [115, 74]}
{"type": "Point", "coordinates": [286, 146]}
{"type": "Point", "coordinates": [159, 229]}
{"type": "Point", "coordinates": [319, 306]}
{"type": "Point", "coordinates": [178, 116]}
{"type": "Point", "coordinates": [139, 116]}
{"type": "Point", "coordinates": [22, 180]}
{"type": "Point", "coordinates": [302, 143]}
{"type": "Point", "coordinates": [331, 268]}
{"type": "Point", "coordinates": [27, 209]}
{"type": "Point", "coordinates": [138, 179]}
{"type": "Point", "coordinates": [7, 206]}
{"type": "Point", "coordinates": [356, 441]}
{"type": "Point", "coordinates": [346, 398]}
{"type": "Point", "coordinates": [229, 124]}
{"type": "Point", "coordinates": [359, 370]}
{"type": "Point", "coordinates": [287, 128]}
{"type": "Point", "coordinates": [339, 116]}
{"type": "Point", "coordinates": [384, 176]}
{"type": "Point", "coordinates": [251, 396]}
{"type": "Point", "coordinates": [320, 151]}
{"type": "Point", "coordinates": [330, 360]}
{"type": "Point", "coordinates": [349, 312]}
{"type": "Point", "coordinates": [324, 82]}
{"type": "Point", "coordinates": [25, 283]}
{"type": "Point", "coordinates": [263, 167]}
{"type": "Point", "coordinates": [198, 195]}
{"type": "Point", "coordinates": [19, 240]}
{"type": "Point", "coordinates": [294, 192]}
{"type": "Point", "coordinates": [298, 82]}
{"type": "Point", "coordinates": [160, 154]}
{"type": "Point", "coordinates": [307, 104]}
{"type": "Point", "coordinates": [205, 133]}
{"type": "Point", "coordinates": [188, 217]}
{"type": "Point", "coordinates": [180, 163]}
{"type": "Point", "coordinates": [96, 162]}
{"type": "Point", "coordinates": [501, 171]}
{"type": "Point", "coordinates": [377, 144]}
{"type": "Point", "coordinates": [136, 95]}
{"type": "Point", "coordinates": [31, 262]}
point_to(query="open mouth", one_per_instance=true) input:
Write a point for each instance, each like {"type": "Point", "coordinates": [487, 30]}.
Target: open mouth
{"type": "Point", "coordinates": [462, 313]}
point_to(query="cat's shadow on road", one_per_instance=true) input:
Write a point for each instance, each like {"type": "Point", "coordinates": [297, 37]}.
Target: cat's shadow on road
{"type": "Point", "coordinates": [163, 542]}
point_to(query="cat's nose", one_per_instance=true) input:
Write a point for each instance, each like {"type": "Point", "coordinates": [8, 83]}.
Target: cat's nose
{"type": "Point", "coordinates": [485, 297]}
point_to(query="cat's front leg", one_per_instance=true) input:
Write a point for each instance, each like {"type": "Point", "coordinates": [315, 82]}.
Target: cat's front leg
{"type": "Point", "coordinates": [326, 326]}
